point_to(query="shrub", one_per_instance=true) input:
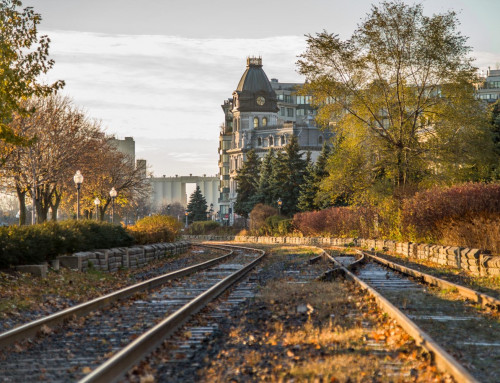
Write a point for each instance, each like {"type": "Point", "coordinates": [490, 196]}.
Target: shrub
{"type": "Point", "coordinates": [277, 225]}
{"type": "Point", "coordinates": [155, 228]}
{"type": "Point", "coordinates": [338, 222]}
{"type": "Point", "coordinates": [203, 227]}
{"type": "Point", "coordinates": [35, 244]}
{"type": "Point", "coordinates": [428, 212]}
{"type": "Point", "coordinates": [258, 217]}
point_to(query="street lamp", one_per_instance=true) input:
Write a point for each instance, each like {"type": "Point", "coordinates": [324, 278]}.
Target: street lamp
{"type": "Point", "coordinates": [112, 194]}
{"type": "Point", "coordinates": [97, 202]}
{"type": "Point", "coordinates": [168, 209]}
{"type": "Point", "coordinates": [280, 202]}
{"type": "Point", "coordinates": [78, 178]}
{"type": "Point", "coordinates": [211, 211]}
{"type": "Point", "coordinates": [186, 213]}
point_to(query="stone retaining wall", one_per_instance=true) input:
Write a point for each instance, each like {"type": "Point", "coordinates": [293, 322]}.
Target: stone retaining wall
{"type": "Point", "coordinates": [475, 261]}
{"type": "Point", "coordinates": [121, 257]}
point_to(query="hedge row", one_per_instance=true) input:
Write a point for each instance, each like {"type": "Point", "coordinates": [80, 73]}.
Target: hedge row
{"type": "Point", "coordinates": [24, 245]}
{"type": "Point", "coordinates": [21, 245]}
{"type": "Point", "coordinates": [465, 215]}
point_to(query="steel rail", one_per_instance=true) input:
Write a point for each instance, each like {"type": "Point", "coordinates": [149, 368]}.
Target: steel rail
{"type": "Point", "coordinates": [483, 299]}
{"type": "Point", "coordinates": [440, 357]}
{"type": "Point", "coordinates": [32, 328]}
{"type": "Point", "coordinates": [118, 365]}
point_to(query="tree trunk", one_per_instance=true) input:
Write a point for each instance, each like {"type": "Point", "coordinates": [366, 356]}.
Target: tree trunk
{"type": "Point", "coordinates": [22, 205]}
{"type": "Point", "coordinates": [54, 204]}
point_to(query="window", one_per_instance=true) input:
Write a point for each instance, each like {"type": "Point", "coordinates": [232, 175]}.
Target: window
{"type": "Point", "coordinates": [288, 98]}
{"type": "Point", "coordinates": [289, 112]}
{"type": "Point", "coordinates": [300, 112]}
{"type": "Point", "coordinates": [255, 122]}
{"type": "Point", "coordinates": [280, 97]}
{"type": "Point", "coordinates": [282, 111]}
{"type": "Point", "coordinates": [259, 141]}
{"type": "Point", "coordinates": [271, 141]}
{"type": "Point", "coordinates": [303, 100]}
{"type": "Point", "coordinates": [264, 121]}
{"type": "Point", "coordinates": [320, 140]}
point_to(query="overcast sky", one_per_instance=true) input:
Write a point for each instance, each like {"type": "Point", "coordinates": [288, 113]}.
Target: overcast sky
{"type": "Point", "coordinates": [158, 70]}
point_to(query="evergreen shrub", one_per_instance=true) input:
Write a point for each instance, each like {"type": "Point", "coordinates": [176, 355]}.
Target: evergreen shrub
{"type": "Point", "coordinates": [21, 245]}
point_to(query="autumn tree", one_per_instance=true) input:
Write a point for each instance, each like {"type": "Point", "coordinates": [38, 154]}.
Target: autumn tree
{"type": "Point", "coordinates": [109, 168]}
{"type": "Point", "coordinates": [23, 58]}
{"type": "Point", "coordinates": [399, 97]}
{"type": "Point", "coordinates": [248, 182]}
{"type": "Point", "coordinates": [58, 134]}
{"type": "Point", "coordinates": [197, 206]}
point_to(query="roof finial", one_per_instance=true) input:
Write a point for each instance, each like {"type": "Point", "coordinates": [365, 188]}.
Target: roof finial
{"type": "Point", "coordinates": [254, 61]}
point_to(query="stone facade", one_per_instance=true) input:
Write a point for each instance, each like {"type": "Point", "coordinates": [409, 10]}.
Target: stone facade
{"type": "Point", "coordinates": [262, 115]}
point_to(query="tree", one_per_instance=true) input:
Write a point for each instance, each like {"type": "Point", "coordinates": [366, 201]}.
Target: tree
{"type": "Point", "coordinates": [59, 135]}
{"type": "Point", "coordinates": [402, 84]}
{"type": "Point", "coordinates": [247, 184]}
{"type": "Point", "coordinates": [197, 206]}
{"type": "Point", "coordinates": [310, 197]}
{"type": "Point", "coordinates": [264, 193]}
{"type": "Point", "coordinates": [288, 168]}
{"type": "Point", "coordinates": [23, 58]}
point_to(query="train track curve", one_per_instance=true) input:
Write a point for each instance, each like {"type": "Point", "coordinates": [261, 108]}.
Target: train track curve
{"type": "Point", "coordinates": [98, 341]}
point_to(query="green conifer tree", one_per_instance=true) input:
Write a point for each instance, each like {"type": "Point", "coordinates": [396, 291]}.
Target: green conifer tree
{"type": "Point", "coordinates": [247, 184]}
{"type": "Point", "coordinates": [197, 206]}
{"type": "Point", "coordinates": [287, 176]}
{"type": "Point", "coordinates": [264, 189]}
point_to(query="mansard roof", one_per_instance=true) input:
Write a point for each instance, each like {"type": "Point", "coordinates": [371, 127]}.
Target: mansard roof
{"type": "Point", "coordinates": [254, 79]}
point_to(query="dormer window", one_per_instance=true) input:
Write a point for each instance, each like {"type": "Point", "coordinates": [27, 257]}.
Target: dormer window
{"type": "Point", "coordinates": [256, 122]}
{"type": "Point", "coordinates": [264, 121]}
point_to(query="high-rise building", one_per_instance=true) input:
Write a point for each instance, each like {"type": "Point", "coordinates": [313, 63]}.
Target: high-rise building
{"type": "Point", "coordinates": [262, 115]}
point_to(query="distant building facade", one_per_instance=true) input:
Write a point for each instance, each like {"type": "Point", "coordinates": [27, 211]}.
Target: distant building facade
{"type": "Point", "coordinates": [167, 190]}
{"type": "Point", "coordinates": [262, 115]}
{"type": "Point", "coordinates": [489, 89]}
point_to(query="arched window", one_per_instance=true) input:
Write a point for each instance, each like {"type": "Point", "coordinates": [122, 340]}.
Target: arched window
{"type": "Point", "coordinates": [256, 122]}
{"type": "Point", "coordinates": [271, 141]}
{"type": "Point", "coordinates": [259, 141]}
{"type": "Point", "coordinates": [264, 121]}
{"type": "Point", "coordinates": [320, 140]}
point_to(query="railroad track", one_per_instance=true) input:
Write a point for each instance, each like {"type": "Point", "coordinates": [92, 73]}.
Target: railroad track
{"type": "Point", "coordinates": [101, 339]}
{"type": "Point", "coordinates": [464, 340]}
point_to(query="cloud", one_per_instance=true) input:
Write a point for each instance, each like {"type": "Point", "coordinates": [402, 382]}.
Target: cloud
{"type": "Point", "coordinates": [169, 89]}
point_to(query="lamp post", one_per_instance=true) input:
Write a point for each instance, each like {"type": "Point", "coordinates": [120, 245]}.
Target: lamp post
{"type": "Point", "coordinates": [211, 211]}
{"type": "Point", "coordinates": [186, 213]}
{"type": "Point", "coordinates": [112, 194]}
{"type": "Point", "coordinates": [97, 202]}
{"type": "Point", "coordinates": [78, 178]}
{"type": "Point", "coordinates": [280, 202]}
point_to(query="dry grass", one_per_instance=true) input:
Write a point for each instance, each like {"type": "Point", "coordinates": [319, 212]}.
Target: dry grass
{"type": "Point", "coordinates": [334, 342]}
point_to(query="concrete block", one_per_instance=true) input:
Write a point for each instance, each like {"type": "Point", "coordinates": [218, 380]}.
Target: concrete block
{"type": "Point", "coordinates": [36, 270]}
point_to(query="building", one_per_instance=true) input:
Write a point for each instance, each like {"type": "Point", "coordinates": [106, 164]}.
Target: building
{"type": "Point", "coordinates": [261, 115]}
{"type": "Point", "coordinates": [167, 190]}
{"type": "Point", "coordinates": [126, 146]}
{"type": "Point", "coordinates": [489, 89]}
